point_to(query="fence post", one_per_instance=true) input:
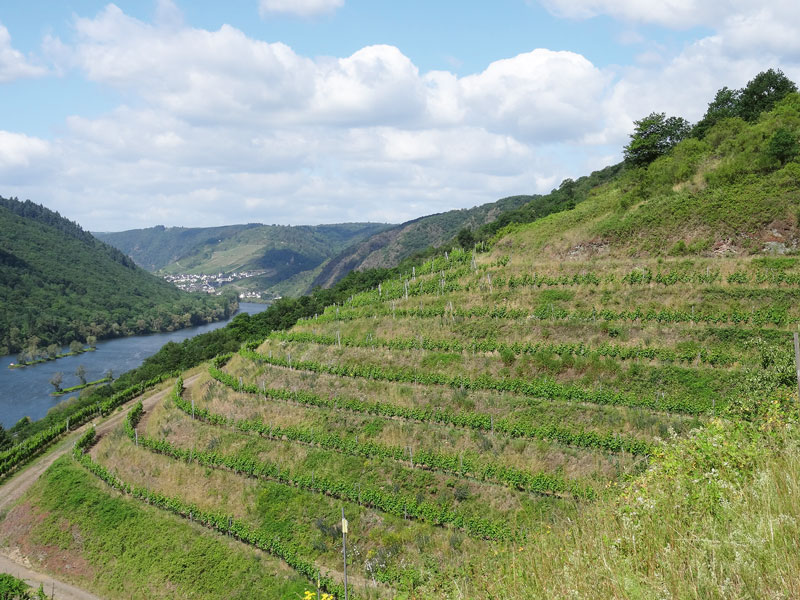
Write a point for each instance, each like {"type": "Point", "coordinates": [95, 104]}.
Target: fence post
{"type": "Point", "coordinates": [797, 361]}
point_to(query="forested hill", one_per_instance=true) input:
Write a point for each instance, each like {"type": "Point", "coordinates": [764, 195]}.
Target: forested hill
{"type": "Point", "coordinates": [233, 247]}
{"type": "Point", "coordinates": [58, 283]}
{"type": "Point", "coordinates": [389, 248]}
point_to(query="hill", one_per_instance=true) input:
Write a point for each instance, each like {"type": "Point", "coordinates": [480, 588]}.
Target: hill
{"type": "Point", "coordinates": [285, 257]}
{"type": "Point", "coordinates": [600, 403]}
{"type": "Point", "coordinates": [58, 284]}
{"type": "Point", "coordinates": [389, 248]}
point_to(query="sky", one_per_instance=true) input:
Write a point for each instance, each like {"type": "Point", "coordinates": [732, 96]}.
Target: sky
{"type": "Point", "coordinates": [202, 113]}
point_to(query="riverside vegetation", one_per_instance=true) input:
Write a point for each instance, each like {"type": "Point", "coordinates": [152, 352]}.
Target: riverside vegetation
{"type": "Point", "coordinates": [596, 403]}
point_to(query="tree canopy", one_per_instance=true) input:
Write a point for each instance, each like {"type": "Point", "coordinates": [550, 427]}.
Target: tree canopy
{"type": "Point", "coordinates": [653, 136]}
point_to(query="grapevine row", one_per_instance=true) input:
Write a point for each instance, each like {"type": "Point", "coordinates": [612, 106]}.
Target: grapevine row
{"type": "Point", "coordinates": [772, 315]}
{"type": "Point", "coordinates": [16, 456]}
{"type": "Point", "coordinates": [607, 442]}
{"type": "Point", "coordinates": [537, 388]}
{"type": "Point", "coordinates": [223, 523]}
{"type": "Point", "coordinates": [714, 358]}
{"type": "Point", "coordinates": [460, 465]}
{"type": "Point", "coordinates": [386, 502]}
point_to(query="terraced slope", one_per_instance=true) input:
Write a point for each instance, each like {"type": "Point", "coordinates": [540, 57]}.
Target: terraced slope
{"type": "Point", "coordinates": [471, 407]}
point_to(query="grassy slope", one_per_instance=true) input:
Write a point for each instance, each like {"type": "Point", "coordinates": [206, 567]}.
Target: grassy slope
{"type": "Point", "coordinates": [723, 194]}
{"type": "Point", "coordinates": [118, 548]}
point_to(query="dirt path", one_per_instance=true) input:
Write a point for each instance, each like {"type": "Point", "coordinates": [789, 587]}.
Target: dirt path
{"type": "Point", "coordinates": [12, 561]}
{"type": "Point", "coordinates": [60, 590]}
{"type": "Point", "coordinates": [19, 484]}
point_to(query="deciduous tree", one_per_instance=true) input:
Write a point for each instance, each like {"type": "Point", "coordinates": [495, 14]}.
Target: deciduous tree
{"type": "Point", "coordinates": [653, 136]}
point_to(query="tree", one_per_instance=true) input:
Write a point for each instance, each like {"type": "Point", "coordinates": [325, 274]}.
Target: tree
{"type": "Point", "coordinates": [783, 146]}
{"type": "Point", "coordinates": [91, 341]}
{"type": "Point", "coordinates": [109, 373]}
{"type": "Point", "coordinates": [762, 93]}
{"type": "Point", "coordinates": [52, 350]}
{"type": "Point", "coordinates": [5, 438]}
{"type": "Point", "coordinates": [80, 373]}
{"type": "Point", "coordinates": [653, 136]}
{"type": "Point", "coordinates": [724, 105]}
{"type": "Point", "coordinates": [465, 238]}
{"type": "Point", "coordinates": [56, 380]}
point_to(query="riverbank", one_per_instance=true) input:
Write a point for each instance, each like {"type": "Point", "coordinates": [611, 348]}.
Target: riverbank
{"type": "Point", "coordinates": [44, 359]}
{"type": "Point", "coordinates": [26, 392]}
{"type": "Point", "coordinates": [76, 388]}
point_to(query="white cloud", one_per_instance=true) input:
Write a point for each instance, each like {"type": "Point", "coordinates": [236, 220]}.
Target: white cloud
{"type": "Point", "coordinates": [541, 95]}
{"type": "Point", "coordinates": [19, 150]}
{"type": "Point", "coordinates": [680, 14]}
{"type": "Point", "coordinates": [13, 64]}
{"type": "Point", "coordinates": [299, 8]}
{"type": "Point", "coordinates": [219, 127]}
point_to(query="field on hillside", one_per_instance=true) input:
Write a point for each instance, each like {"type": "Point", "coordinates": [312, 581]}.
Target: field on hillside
{"type": "Point", "coordinates": [480, 406]}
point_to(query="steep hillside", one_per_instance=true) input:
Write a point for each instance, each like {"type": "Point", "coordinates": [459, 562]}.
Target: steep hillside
{"type": "Point", "coordinates": [285, 257]}
{"type": "Point", "coordinates": [388, 248]}
{"type": "Point", "coordinates": [731, 193]}
{"type": "Point", "coordinates": [58, 283]}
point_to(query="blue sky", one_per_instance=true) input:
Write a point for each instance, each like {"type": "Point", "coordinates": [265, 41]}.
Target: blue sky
{"type": "Point", "coordinates": [307, 111]}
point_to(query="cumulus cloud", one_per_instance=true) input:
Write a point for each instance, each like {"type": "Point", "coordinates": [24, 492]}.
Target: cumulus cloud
{"type": "Point", "coordinates": [219, 127]}
{"type": "Point", "coordinates": [13, 64]}
{"type": "Point", "coordinates": [299, 8]}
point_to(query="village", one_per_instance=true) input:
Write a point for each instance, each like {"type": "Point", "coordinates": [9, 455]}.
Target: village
{"type": "Point", "coordinates": [212, 284]}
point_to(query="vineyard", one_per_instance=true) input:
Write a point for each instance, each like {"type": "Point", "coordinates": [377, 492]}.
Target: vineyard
{"type": "Point", "coordinates": [473, 407]}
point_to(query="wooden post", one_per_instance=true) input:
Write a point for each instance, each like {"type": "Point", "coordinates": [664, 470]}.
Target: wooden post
{"type": "Point", "coordinates": [797, 361]}
{"type": "Point", "coordinates": [344, 551]}
{"type": "Point", "coordinates": [193, 408]}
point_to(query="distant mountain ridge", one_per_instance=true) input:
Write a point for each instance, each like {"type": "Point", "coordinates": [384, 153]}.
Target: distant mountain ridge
{"type": "Point", "coordinates": [285, 255]}
{"type": "Point", "coordinates": [58, 283]}
{"type": "Point", "coordinates": [388, 248]}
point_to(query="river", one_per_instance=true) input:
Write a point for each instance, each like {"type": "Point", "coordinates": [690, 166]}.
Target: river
{"type": "Point", "coordinates": [26, 392]}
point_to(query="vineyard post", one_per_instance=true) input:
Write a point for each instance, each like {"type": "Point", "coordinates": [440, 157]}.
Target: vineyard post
{"type": "Point", "coordinates": [344, 551]}
{"type": "Point", "coordinates": [797, 361]}
{"type": "Point", "coordinates": [67, 423]}
{"type": "Point", "coordinates": [192, 408]}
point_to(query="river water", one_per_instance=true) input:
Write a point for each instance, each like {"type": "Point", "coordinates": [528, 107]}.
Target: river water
{"type": "Point", "coordinates": [26, 392]}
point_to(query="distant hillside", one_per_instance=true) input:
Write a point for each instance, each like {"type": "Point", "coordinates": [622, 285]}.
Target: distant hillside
{"type": "Point", "coordinates": [390, 247]}
{"type": "Point", "coordinates": [287, 255]}
{"type": "Point", "coordinates": [58, 283]}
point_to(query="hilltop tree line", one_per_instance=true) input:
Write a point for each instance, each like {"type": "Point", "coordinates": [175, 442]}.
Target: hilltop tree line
{"type": "Point", "coordinates": [655, 134]}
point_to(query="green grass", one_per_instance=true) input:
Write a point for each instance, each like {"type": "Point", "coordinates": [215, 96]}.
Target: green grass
{"type": "Point", "coordinates": [136, 551]}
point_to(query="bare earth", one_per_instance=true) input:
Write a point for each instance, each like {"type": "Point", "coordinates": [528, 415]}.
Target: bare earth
{"type": "Point", "coordinates": [11, 561]}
